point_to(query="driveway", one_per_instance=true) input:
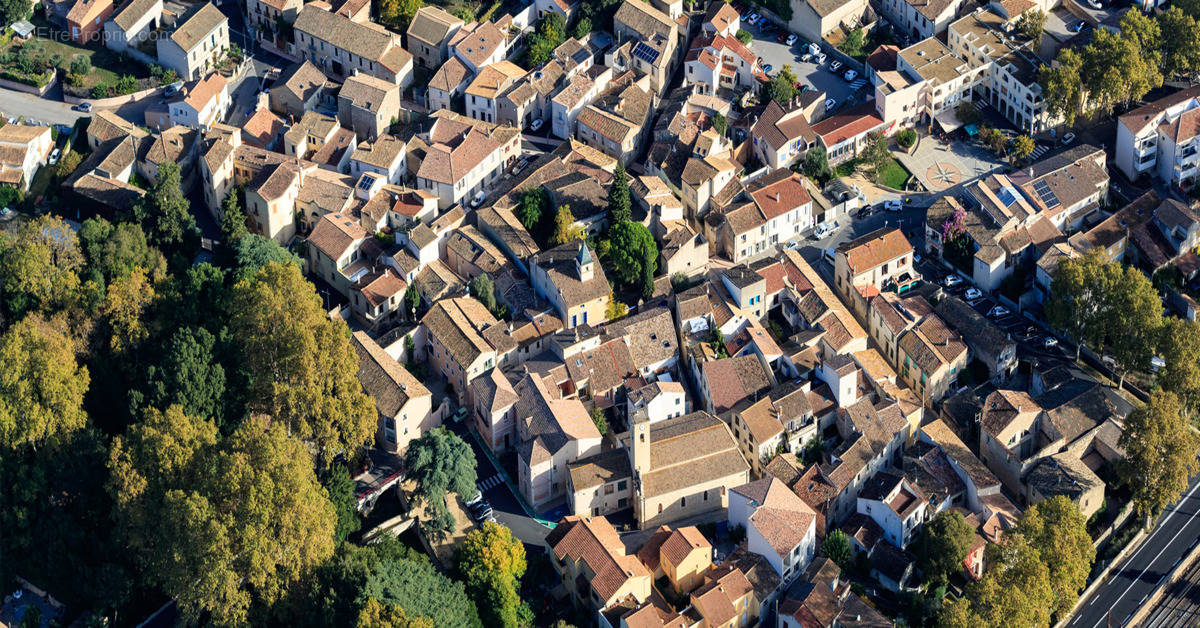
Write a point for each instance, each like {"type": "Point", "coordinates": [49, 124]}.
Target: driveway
{"type": "Point", "coordinates": [779, 54]}
{"type": "Point", "coordinates": [14, 104]}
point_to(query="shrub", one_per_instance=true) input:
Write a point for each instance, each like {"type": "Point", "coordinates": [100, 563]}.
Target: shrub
{"type": "Point", "coordinates": [906, 138]}
{"type": "Point", "coordinates": [127, 85]}
{"type": "Point", "coordinates": [744, 37]}
{"type": "Point", "coordinates": [100, 90]}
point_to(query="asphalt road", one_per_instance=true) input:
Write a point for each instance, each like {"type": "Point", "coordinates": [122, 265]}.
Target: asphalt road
{"type": "Point", "coordinates": [1175, 533]}
{"type": "Point", "coordinates": [16, 104]}
{"type": "Point", "coordinates": [1180, 606]}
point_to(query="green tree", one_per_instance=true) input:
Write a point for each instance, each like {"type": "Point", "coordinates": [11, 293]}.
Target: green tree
{"type": "Point", "coordinates": [853, 43]}
{"type": "Point", "coordinates": [123, 313]}
{"type": "Point", "coordinates": [42, 386]}
{"type": "Point", "coordinates": [1077, 301]}
{"type": "Point", "coordinates": [14, 10]}
{"type": "Point", "coordinates": [943, 546]}
{"type": "Point", "coordinates": [633, 253]}
{"type": "Point", "coordinates": [875, 155]}
{"type": "Point", "coordinates": [1022, 147]}
{"type": "Point", "coordinates": [164, 212]}
{"type": "Point", "coordinates": [484, 290]}
{"type": "Point", "coordinates": [114, 251]}
{"type": "Point", "coordinates": [376, 614]}
{"type": "Point", "coordinates": [615, 308]}
{"type": "Point", "coordinates": [565, 229]}
{"type": "Point", "coordinates": [744, 36]}
{"type": "Point", "coordinates": [1031, 24]}
{"type": "Point", "coordinates": [81, 65]}
{"type": "Point", "coordinates": [398, 14]}
{"type": "Point", "coordinates": [599, 420]}
{"type": "Point", "coordinates": [214, 524]}
{"type": "Point", "coordinates": [816, 163]}
{"type": "Point", "coordinates": [1016, 590]}
{"type": "Point", "coordinates": [1119, 69]}
{"type": "Point", "coordinates": [582, 28]}
{"type": "Point", "coordinates": [39, 266]}
{"type": "Point", "coordinates": [720, 124]}
{"type": "Point", "coordinates": [412, 300]}
{"type": "Point", "coordinates": [1160, 453]}
{"type": "Point", "coordinates": [1180, 43]}
{"type": "Point", "coordinates": [233, 217]}
{"type": "Point", "coordinates": [341, 494]}
{"type": "Point", "coordinates": [492, 563]}
{"type": "Point", "coordinates": [1180, 349]}
{"type": "Point", "coordinates": [619, 210]}
{"type": "Point", "coordinates": [300, 368]}
{"type": "Point", "coordinates": [67, 165]}
{"type": "Point", "coordinates": [1136, 320]}
{"type": "Point", "coordinates": [1057, 529]}
{"type": "Point", "coordinates": [532, 207]}
{"type": "Point", "coordinates": [1062, 86]}
{"type": "Point", "coordinates": [252, 252]}
{"type": "Point", "coordinates": [189, 376]}
{"type": "Point", "coordinates": [440, 462]}
{"type": "Point", "coordinates": [782, 87]}
{"type": "Point", "coordinates": [549, 34]}
{"type": "Point", "coordinates": [837, 548]}
{"type": "Point", "coordinates": [421, 591]}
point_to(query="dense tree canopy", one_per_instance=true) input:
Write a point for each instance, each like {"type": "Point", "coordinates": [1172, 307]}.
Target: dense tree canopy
{"type": "Point", "coordinates": [440, 462]}
{"type": "Point", "coordinates": [1180, 349]}
{"type": "Point", "coordinates": [41, 384]}
{"type": "Point", "coordinates": [943, 545]}
{"type": "Point", "coordinates": [782, 87]}
{"type": "Point", "coordinates": [189, 375]}
{"type": "Point", "coordinates": [39, 267]}
{"type": "Point", "coordinates": [253, 251]}
{"type": "Point", "coordinates": [1015, 591]}
{"type": "Point", "coordinates": [634, 254]}
{"type": "Point", "coordinates": [421, 591]}
{"type": "Point", "coordinates": [165, 213]}
{"type": "Point", "coordinates": [1057, 529]}
{"type": "Point", "coordinates": [217, 524]}
{"type": "Point", "coordinates": [492, 563]}
{"type": "Point", "coordinates": [619, 207]}
{"type": "Point", "coordinates": [1160, 453]}
{"type": "Point", "coordinates": [301, 368]}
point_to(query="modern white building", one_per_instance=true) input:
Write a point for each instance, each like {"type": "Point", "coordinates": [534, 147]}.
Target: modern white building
{"type": "Point", "coordinates": [1160, 139]}
{"type": "Point", "coordinates": [779, 525]}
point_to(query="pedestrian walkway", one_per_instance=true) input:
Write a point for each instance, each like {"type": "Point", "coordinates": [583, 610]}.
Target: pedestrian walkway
{"type": "Point", "coordinates": [490, 483]}
{"type": "Point", "coordinates": [1037, 153]}
{"type": "Point", "coordinates": [857, 84]}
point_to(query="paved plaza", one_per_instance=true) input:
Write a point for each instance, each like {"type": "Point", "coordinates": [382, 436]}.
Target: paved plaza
{"type": "Point", "coordinates": [940, 166]}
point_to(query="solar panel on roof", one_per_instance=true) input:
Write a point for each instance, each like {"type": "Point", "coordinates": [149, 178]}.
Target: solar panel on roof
{"type": "Point", "coordinates": [1049, 199]}
{"type": "Point", "coordinates": [645, 53]}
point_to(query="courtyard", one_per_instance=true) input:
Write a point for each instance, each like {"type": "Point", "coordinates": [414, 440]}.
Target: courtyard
{"type": "Point", "coordinates": [941, 165]}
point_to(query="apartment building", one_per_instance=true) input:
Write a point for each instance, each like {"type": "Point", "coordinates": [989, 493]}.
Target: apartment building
{"type": "Point", "coordinates": [196, 45]}
{"type": "Point", "coordinates": [429, 36]}
{"type": "Point", "coordinates": [464, 157]}
{"type": "Point", "coordinates": [200, 103]}
{"type": "Point", "coordinates": [647, 41]}
{"type": "Point", "coordinates": [341, 47]}
{"type": "Point", "coordinates": [403, 403]}
{"type": "Point", "coordinates": [864, 267]}
{"type": "Point", "coordinates": [920, 19]}
{"type": "Point", "coordinates": [463, 341]}
{"type": "Point", "coordinates": [1010, 65]}
{"type": "Point", "coordinates": [845, 133]}
{"type": "Point", "coordinates": [718, 62]}
{"type": "Point", "coordinates": [779, 525]}
{"type": "Point", "coordinates": [265, 15]}
{"type": "Point", "coordinates": [781, 136]}
{"type": "Point", "coordinates": [490, 82]}
{"type": "Point", "coordinates": [929, 82]}
{"type": "Point", "coordinates": [570, 279]}
{"type": "Point", "coordinates": [617, 122]}
{"type": "Point", "coordinates": [368, 105]}
{"type": "Point", "coordinates": [1159, 139]}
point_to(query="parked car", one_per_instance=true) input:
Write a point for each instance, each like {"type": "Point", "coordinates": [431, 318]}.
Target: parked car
{"type": "Point", "coordinates": [753, 19]}
{"type": "Point", "coordinates": [536, 124]}
{"type": "Point", "coordinates": [851, 75]}
{"type": "Point", "coordinates": [7, 214]}
{"type": "Point", "coordinates": [1068, 138]}
{"type": "Point", "coordinates": [830, 103]}
{"type": "Point", "coordinates": [951, 280]}
{"type": "Point", "coordinates": [821, 57]}
{"type": "Point", "coordinates": [791, 39]}
{"type": "Point", "coordinates": [1095, 4]}
{"type": "Point", "coordinates": [822, 231]}
{"type": "Point", "coordinates": [973, 293]}
{"type": "Point", "coordinates": [83, 106]}
{"type": "Point", "coordinates": [781, 38]}
{"type": "Point", "coordinates": [474, 500]}
{"type": "Point", "coordinates": [1049, 342]}
{"type": "Point", "coordinates": [893, 206]}
{"type": "Point", "coordinates": [478, 199]}
{"type": "Point", "coordinates": [806, 58]}
{"type": "Point", "coordinates": [54, 157]}
{"type": "Point", "coordinates": [998, 311]}
{"type": "Point", "coordinates": [835, 65]}
{"type": "Point", "coordinates": [916, 258]}
{"type": "Point", "coordinates": [1077, 26]}
{"type": "Point", "coordinates": [767, 68]}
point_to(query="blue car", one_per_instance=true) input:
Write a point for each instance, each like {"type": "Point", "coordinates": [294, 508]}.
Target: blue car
{"type": "Point", "coordinates": [768, 67]}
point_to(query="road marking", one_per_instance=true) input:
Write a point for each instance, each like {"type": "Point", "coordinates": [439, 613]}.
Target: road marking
{"type": "Point", "coordinates": [1173, 512]}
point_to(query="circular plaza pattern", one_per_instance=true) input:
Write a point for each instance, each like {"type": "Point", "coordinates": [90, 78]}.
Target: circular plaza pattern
{"type": "Point", "coordinates": [942, 175]}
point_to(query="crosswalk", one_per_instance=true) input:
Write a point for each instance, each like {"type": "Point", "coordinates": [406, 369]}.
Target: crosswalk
{"type": "Point", "coordinates": [489, 483]}
{"type": "Point", "coordinates": [857, 84]}
{"type": "Point", "coordinates": [1038, 152]}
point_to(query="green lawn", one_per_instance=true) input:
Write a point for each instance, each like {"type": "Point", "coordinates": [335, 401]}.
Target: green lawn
{"type": "Point", "coordinates": [893, 175]}
{"type": "Point", "coordinates": [107, 66]}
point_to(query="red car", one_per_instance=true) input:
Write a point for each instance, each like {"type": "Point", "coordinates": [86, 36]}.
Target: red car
{"type": "Point", "coordinates": [782, 37]}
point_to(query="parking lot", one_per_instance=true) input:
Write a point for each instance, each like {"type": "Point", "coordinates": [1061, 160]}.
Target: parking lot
{"type": "Point", "coordinates": [777, 54]}
{"type": "Point", "coordinates": [1030, 338]}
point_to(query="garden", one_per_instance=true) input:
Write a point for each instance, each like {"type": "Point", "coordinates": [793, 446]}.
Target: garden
{"type": "Point", "coordinates": [91, 71]}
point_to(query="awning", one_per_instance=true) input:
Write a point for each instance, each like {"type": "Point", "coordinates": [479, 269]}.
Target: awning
{"type": "Point", "coordinates": [948, 121]}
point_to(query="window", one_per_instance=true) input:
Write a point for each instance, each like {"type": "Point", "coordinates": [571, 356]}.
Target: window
{"type": "Point", "coordinates": [608, 489]}
{"type": "Point", "coordinates": [621, 484]}
{"type": "Point", "coordinates": [683, 502]}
